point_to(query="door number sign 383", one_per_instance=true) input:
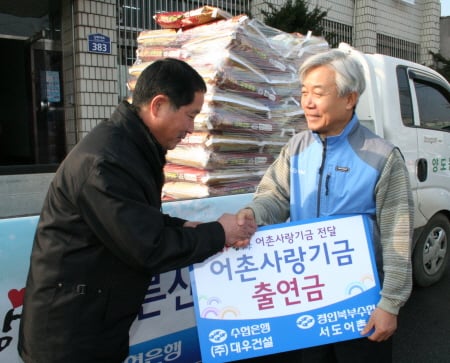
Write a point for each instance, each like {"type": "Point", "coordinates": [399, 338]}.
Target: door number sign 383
{"type": "Point", "coordinates": [99, 43]}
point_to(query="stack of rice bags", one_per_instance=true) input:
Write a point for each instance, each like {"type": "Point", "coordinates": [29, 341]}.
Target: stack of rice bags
{"type": "Point", "coordinates": [251, 107]}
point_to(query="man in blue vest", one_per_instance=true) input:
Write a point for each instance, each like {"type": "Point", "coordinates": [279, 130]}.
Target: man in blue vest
{"type": "Point", "coordinates": [339, 167]}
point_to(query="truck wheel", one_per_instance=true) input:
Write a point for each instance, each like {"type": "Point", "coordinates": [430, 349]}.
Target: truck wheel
{"type": "Point", "coordinates": [430, 254]}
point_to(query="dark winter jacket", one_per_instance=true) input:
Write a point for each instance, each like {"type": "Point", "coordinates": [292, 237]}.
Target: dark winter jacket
{"type": "Point", "coordinates": [100, 238]}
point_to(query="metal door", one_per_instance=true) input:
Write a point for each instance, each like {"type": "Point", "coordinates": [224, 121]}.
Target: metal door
{"type": "Point", "coordinates": [48, 101]}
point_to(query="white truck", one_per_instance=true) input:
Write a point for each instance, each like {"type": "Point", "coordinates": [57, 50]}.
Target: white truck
{"type": "Point", "coordinates": [409, 105]}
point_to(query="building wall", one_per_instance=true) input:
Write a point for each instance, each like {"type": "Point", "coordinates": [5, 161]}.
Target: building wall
{"type": "Point", "coordinates": [445, 36]}
{"type": "Point", "coordinates": [365, 25]}
{"type": "Point", "coordinates": [400, 19]}
{"type": "Point", "coordinates": [91, 89]}
{"type": "Point", "coordinates": [339, 11]}
{"type": "Point", "coordinates": [91, 80]}
{"type": "Point", "coordinates": [415, 21]}
{"type": "Point", "coordinates": [430, 36]}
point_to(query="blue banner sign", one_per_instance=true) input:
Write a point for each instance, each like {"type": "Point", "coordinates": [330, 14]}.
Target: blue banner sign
{"type": "Point", "coordinates": [165, 328]}
{"type": "Point", "coordinates": [296, 285]}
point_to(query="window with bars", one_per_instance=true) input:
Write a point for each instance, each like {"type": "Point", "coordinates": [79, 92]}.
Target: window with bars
{"type": "Point", "coordinates": [336, 33]}
{"type": "Point", "coordinates": [398, 48]}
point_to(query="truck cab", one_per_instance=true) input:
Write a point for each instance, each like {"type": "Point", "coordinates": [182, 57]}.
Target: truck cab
{"type": "Point", "coordinates": [409, 105]}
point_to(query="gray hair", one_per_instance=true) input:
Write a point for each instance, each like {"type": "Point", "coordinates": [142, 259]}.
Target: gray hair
{"type": "Point", "coordinates": [349, 71]}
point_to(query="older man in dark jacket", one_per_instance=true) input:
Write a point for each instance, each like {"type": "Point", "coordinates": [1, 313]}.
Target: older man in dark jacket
{"type": "Point", "coordinates": [101, 233]}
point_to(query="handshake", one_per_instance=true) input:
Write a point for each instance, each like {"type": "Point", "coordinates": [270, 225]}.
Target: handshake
{"type": "Point", "coordinates": [239, 228]}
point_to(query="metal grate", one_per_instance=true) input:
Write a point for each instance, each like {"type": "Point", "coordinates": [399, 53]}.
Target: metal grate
{"type": "Point", "coordinates": [134, 16]}
{"type": "Point", "coordinates": [336, 33]}
{"type": "Point", "coordinates": [398, 48]}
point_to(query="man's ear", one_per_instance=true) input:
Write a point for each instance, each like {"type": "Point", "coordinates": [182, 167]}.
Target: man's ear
{"type": "Point", "coordinates": [150, 111]}
{"type": "Point", "coordinates": [352, 99]}
{"type": "Point", "coordinates": [157, 102]}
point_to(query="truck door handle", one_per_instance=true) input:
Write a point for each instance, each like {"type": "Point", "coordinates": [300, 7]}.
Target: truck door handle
{"type": "Point", "coordinates": [422, 169]}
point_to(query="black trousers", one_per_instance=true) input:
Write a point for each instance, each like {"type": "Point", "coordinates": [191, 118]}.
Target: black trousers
{"type": "Point", "coordinates": [352, 351]}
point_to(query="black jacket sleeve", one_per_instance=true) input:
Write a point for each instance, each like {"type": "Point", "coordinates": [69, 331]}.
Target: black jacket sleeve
{"type": "Point", "coordinates": [116, 209]}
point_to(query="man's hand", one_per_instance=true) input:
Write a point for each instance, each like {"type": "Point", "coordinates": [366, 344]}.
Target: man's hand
{"type": "Point", "coordinates": [384, 323]}
{"type": "Point", "coordinates": [238, 229]}
{"type": "Point", "coordinates": [245, 214]}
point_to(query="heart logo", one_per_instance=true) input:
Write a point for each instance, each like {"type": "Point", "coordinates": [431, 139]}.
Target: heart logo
{"type": "Point", "coordinates": [16, 297]}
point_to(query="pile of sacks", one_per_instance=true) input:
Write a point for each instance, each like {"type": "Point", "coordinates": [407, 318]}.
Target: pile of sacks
{"type": "Point", "coordinates": [252, 105]}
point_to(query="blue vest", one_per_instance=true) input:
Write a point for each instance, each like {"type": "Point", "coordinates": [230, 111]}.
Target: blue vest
{"type": "Point", "coordinates": [338, 175]}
